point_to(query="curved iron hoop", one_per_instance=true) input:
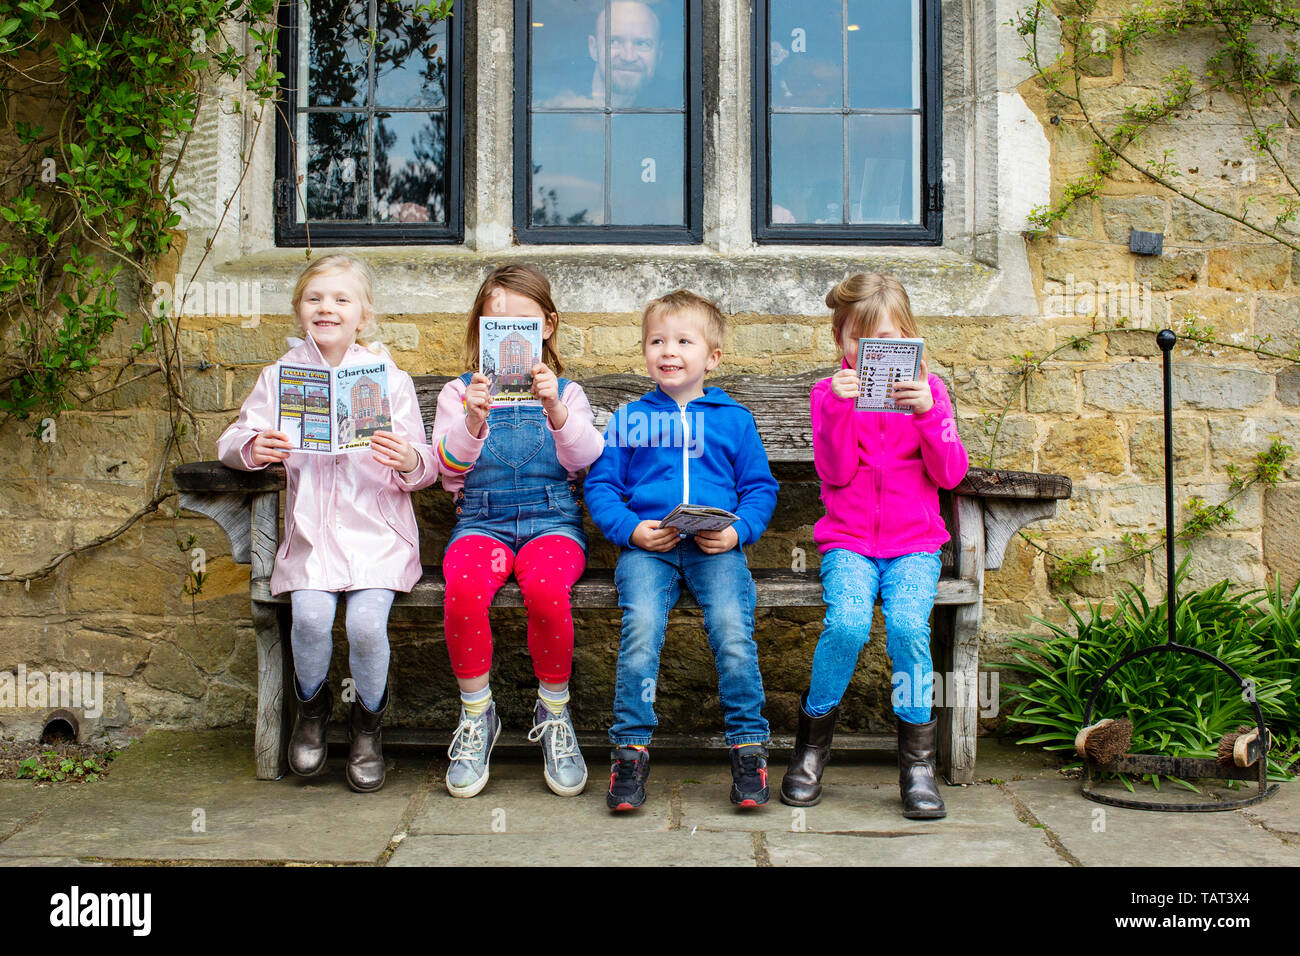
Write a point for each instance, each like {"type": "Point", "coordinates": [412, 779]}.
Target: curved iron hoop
{"type": "Point", "coordinates": [1264, 788]}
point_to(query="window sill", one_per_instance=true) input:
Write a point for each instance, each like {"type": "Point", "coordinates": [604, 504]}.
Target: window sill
{"type": "Point", "coordinates": [765, 280]}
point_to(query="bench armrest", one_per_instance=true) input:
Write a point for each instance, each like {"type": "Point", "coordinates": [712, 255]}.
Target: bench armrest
{"type": "Point", "coordinates": [226, 495]}
{"type": "Point", "coordinates": [994, 483]}
{"type": "Point", "coordinates": [1003, 502]}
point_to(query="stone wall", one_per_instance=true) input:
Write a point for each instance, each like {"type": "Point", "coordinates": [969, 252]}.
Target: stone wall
{"type": "Point", "coordinates": [986, 296]}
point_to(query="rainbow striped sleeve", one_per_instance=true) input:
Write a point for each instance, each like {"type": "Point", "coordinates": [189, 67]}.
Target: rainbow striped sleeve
{"type": "Point", "coordinates": [450, 463]}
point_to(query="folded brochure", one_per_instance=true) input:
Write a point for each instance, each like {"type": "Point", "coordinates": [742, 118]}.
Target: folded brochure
{"type": "Point", "coordinates": [689, 519]}
{"type": "Point", "coordinates": [329, 411]}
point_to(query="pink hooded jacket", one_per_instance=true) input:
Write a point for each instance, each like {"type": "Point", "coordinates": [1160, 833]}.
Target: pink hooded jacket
{"type": "Point", "coordinates": [348, 523]}
{"type": "Point", "coordinates": [881, 473]}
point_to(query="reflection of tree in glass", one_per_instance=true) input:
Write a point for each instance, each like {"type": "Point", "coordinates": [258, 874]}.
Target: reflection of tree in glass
{"type": "Point", "coordinates": [339, 36]}
{"type": "Point", "coordinates": [336, 166]}
{"type": "Point", "coordinates": [413, 193]}
{"type": "Point", "coordinates": [338, 176]}
{"type": "Point", "coordinates": [546, 208]}
{"type": "Point", "coordinates": [402, 37]}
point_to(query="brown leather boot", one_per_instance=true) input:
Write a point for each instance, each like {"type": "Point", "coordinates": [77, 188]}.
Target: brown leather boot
{"type": "Point", "coordinates": [307, 748]}
{"type": "Point", "coordinates": [366, 754]}
{"type": "Point", "coordinates": [802, 784]}
{"type": "Point", "coordinates": [916, 777]}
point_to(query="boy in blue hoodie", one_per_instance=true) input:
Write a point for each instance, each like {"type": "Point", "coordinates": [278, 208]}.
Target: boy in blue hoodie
{"type": "Point", "coordinates": [683, 443]}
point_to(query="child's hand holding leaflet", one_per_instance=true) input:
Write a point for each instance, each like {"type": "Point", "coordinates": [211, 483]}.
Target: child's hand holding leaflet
{"type": "Point", "coordinates": [882, 364]}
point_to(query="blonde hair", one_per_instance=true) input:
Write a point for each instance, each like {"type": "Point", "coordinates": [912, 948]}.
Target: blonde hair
{"type": "Point", "coordinates": [531, 284]}
{"type": "Point", "coordinates": [684, 300]}
{"type": "Point", "coordinates": [357, 268]}
{"type": "Point", "coordinates": [860, 301]}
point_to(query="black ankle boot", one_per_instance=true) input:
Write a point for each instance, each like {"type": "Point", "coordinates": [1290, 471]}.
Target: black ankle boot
{"type": "Point", "coordinates": [916, 777]}
{"type": "Point", "coordinates": [802, 784]}
{"type": "Point", "coordinates": [307, 741]}
{"type": "Point", "coordinates": [366, 753]}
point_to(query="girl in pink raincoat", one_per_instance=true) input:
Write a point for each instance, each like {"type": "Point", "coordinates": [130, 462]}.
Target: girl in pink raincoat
{"type": "Point", "coordinates": [348, 526]}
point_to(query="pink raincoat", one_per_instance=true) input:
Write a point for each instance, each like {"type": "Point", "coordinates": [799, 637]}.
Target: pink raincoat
{"type": "Point", "coordinates": [348, 523]}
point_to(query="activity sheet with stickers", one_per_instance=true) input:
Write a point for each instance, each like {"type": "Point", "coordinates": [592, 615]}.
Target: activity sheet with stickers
{"type": "Point", "coordinates": [881, 364]}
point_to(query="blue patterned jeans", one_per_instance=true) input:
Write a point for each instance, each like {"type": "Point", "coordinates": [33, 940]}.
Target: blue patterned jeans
{"type": "Point", "coordinates": [907, 586]}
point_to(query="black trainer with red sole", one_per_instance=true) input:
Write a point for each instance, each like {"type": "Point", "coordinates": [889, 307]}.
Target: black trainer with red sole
{"type": "Point", "coordinates": [749, 775]}
{"type": "Point", "coordinates": [627, 777]}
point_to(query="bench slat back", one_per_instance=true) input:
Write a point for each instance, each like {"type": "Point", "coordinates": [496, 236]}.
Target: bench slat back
{"type": "Point", "coordinates": [779, 404]}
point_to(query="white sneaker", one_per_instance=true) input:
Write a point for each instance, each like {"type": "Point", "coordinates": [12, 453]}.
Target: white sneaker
{"type": "Point", "coordinates": [562, 764]}
{"type": "Point", "coordinates": [470, 751]}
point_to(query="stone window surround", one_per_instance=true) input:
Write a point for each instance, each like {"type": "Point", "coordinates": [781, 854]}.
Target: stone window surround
{"type": "Point", "coordinates": [992, 144]}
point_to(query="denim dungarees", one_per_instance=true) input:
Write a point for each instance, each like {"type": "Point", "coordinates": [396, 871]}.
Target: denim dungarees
{"type": "Point", "coordinates": [517, 489]}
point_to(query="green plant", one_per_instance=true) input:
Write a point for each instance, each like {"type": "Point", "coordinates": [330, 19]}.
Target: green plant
{"type": "Point", "coordinates": [1179, 703]}
{"type": "Point", "coordinates": [91, 196]}
{"type": "Point", "coordinates": [52, 767]}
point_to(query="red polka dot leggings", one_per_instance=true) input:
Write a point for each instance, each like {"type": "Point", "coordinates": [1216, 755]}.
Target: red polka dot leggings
{"type": "Point", "coordinates": [546, 568]}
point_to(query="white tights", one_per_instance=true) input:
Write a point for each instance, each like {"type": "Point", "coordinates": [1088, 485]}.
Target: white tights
{"type": "Point", "coordinates": [367, 626]}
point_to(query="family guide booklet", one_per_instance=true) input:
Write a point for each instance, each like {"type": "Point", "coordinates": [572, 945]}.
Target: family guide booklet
{"type": "Point", "coordinates": [508, 348]}
{"type": "Point", "coordinates": [329, 411]}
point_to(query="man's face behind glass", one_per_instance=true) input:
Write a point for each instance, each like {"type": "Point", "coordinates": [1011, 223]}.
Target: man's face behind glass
{"type": "Point", "coordinates": [634, 49]}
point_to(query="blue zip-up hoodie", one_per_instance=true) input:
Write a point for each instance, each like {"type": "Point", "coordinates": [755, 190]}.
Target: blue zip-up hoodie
{"type": "Point", "coordinates": [658, 456]}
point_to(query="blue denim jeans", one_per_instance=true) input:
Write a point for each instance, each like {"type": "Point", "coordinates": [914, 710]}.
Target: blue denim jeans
{"type": "Point", "coordinates": [907, 586]}
{"type": "Point", "coordinates": [649, 584]}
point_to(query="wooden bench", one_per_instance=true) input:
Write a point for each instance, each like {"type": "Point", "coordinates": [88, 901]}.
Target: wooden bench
{"type": "Point", "coordinates": [982, 514]}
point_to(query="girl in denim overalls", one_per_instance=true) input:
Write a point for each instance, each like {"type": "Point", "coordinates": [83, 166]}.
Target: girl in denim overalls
{"type": "Point", "coordinates": [512, 470]}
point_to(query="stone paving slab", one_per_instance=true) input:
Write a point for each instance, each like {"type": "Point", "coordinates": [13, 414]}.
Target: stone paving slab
{"type": "Point", "coordinates": [673, 848]}
{"type": "Point", "coordinates": [59, 861]}
{"type": "Point", "coordinates": [21, 801]}
{"type": "Point", "coordinates": [1280, 813]}
{"type": "Point", "coordinates": [525, 805]}
{"type": "Point", "coordinates": [973, 813]}
{"type": "Point", "coordinates": [934, 846]}
{"type": "Point", "coordinates": [145, 809]}
{"type": "Point", "coordinates": [1147, 838]}
{"type": "Point", "coordinates": [1024, 812]}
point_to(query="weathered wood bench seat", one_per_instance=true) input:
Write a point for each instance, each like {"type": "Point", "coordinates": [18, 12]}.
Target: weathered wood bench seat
{"type": "Point", "coordinates": [982, 514]}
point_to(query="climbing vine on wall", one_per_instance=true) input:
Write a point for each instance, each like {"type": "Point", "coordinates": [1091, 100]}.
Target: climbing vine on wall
{"type": "Point", "coordinates": [1257, 75]}
{"type": "Point", "coordinates": [1239, 67]}
{"type": "Point", "coordinates": [100, 100]}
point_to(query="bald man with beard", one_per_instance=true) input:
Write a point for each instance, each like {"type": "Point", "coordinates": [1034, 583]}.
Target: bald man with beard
{"type": "Point", "coordinates": [630, 59]}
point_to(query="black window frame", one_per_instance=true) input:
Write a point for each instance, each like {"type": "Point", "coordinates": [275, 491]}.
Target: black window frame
{"type": "Point", "coordinates": [291, 234]}
{"type": "Point", "coordinates": [692, 174]}
{"type": "Point", "coordinates": [930, 230]}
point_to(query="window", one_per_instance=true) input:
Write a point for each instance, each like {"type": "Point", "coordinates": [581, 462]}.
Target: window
{"type": "Point", "coordinates": [846, 131]}
{"type": "Point", "coordinates": [368, 131]}
{"type": "Point", "coordinates": [608, 121]}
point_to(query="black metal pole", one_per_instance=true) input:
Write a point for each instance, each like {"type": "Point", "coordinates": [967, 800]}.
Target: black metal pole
{"type": "Point", "coordinates": [1166, 339]}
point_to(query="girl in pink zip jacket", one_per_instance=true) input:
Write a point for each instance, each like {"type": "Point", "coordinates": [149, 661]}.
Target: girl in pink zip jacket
{"type": "Point", "coordinates": [348, 525]}
{"type": "Point", "coordinates": [881, 473]}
